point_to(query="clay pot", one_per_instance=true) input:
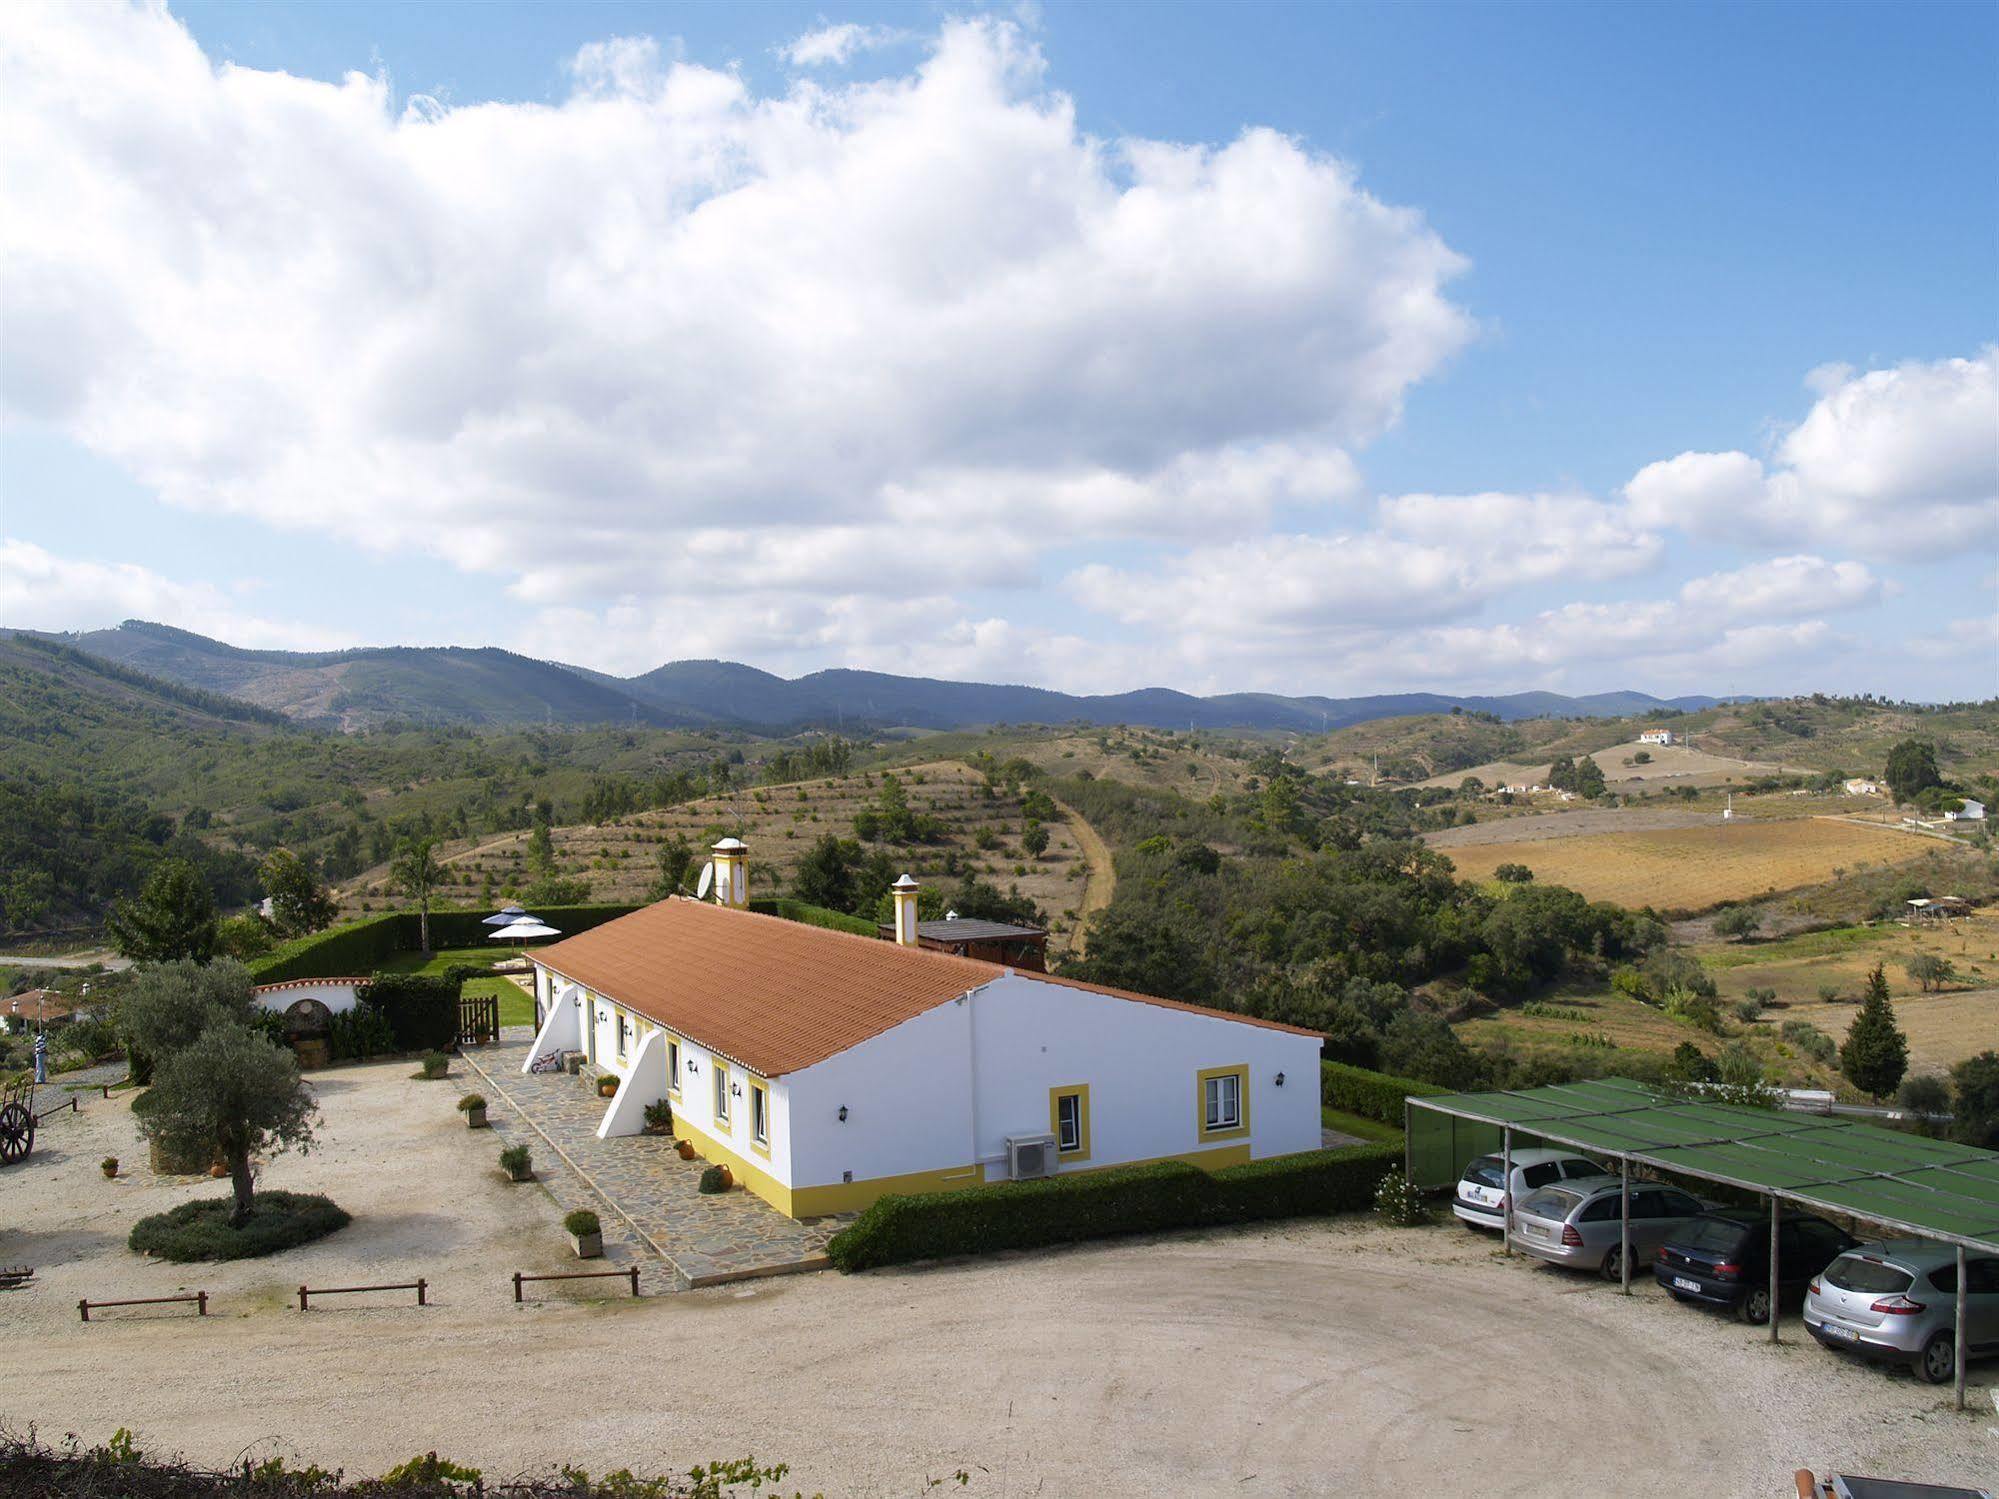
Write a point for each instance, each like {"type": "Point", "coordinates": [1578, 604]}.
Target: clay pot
{"type": "Point", "coordinates": [686, 1149]}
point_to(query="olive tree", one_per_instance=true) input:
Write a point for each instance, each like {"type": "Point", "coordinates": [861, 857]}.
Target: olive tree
{"type": "Point", "coordinates": [170, 1004]}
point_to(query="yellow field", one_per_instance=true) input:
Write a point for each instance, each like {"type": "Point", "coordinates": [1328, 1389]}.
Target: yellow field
{"type": "Point", "coordinates": [1695, 868]}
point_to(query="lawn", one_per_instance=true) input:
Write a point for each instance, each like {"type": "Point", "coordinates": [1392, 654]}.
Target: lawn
{"type": "Point", "coordinates": [1354, 1124]}
{"type": "Point", "coordinates": [516, 1004]}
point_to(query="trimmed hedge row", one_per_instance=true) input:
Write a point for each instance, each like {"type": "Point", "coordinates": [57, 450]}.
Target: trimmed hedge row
{"type": "Point", "coordinates": [363, 946]}
{"type": "Point", "coordinates": [1100, 1204]}
{"type": "Point", "coordinates": [798, 910]}
{"type": "Point", "coordinates": [421, 1009]}
{"type": "Point", "coordinates": [1372, 1095]}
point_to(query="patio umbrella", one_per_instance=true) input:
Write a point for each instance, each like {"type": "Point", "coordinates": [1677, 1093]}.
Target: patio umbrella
{"type": "Point", "coordinates": [521, 928]}
{"type": "Point", "coordinates": [507, 916]}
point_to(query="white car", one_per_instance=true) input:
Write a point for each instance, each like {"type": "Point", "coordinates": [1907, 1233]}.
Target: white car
{"type": "Point", "coordinates": [1481, 1199]}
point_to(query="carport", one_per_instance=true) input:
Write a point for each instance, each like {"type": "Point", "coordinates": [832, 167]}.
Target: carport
{"type": "Point", "coordinates": [1930, 1189]}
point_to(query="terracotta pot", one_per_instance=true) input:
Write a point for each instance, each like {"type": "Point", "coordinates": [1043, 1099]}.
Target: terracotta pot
{"type": "Point", "coordinates": [686, 1148]}
{"type": "Point", "coordinates": [607, 1087]}
{"type": "Point", "coordinates": [728, 1178]}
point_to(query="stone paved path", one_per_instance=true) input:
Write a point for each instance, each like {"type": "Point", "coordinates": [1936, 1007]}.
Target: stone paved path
{"type": "Point", "coordinates": [655, 1205]}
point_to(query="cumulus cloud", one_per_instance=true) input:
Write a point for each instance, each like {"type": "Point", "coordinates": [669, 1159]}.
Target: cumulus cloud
{"type": "Point", "coordinates": [41, 591]}
{"type": "Point", "coordinates": [837, 45]}
{"type": "Point", "coordinates": [1892, 463]}
{"type": "Point", "coordinates": [669, 326]}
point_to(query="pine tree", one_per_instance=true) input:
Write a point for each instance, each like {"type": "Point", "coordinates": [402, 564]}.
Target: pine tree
{"type": "Point", "coordinates": [1876, 1053]}
{"type": "Point", "coordinates": [174, 917]}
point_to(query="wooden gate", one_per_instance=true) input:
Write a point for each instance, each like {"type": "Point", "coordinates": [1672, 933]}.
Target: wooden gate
{"type": "Point", "coordinates": [478, 1019]}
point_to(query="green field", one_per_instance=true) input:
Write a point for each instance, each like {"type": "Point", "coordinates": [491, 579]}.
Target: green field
{"type": "Point", "coordinates": [516, 1004]}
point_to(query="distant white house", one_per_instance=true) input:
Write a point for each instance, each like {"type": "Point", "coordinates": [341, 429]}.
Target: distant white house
{"type": "Point", "coordinates": [1971, 811]}
{"type": "Point", "coordinates": [1656, 736]}
{"type": "Point", "coordinates": [1861, 786]}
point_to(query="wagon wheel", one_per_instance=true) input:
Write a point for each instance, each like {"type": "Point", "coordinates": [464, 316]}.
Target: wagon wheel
{"type": "Point", "coordinates": [17, 1133]}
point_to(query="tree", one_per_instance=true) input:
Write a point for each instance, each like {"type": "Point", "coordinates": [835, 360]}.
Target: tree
{"type": "Point", "coordinates": [541, 847]}
{"type": "Point", "coordinates": [1738, 923]}
{"type": "Point", "coordinates": [174, 917]}
{"type": "Point", "coordinates": [1588, 779]}
{"type": "Point", "coordinates": [1930, 971]}
{"type": "Point", "coordinates": [1925, 1095]}
{"type": "Point", "coordinates": [1035, 840]}
{"type": "Point", "coordinates": [825, 876]}
{"type": "Point", "coordinates": [676, 858]}
{"type": "Point", "coordinates": [234, 1092]}
{"type": "Point", "coordinates": [1912, 768]}
{"type": "Point", "coordinates": [299, 903]}
{"type": "Point", "coordinates": [169, 1004]}
{"type": "Point", "coordinates": [1514, 874]}
{"type": "Point", "coordinates": [415, 872]}
{"type": "Point", "coordinates": [1975, 1081]}
{"type": "Point", "coordinates": [1875, 1053]}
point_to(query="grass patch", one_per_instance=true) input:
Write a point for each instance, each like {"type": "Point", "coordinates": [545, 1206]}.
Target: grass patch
{"type": "Point", "coordinates": [1826, 944]}
{"type": "Point", "coordinates": [1354, 1124]}
{"type": "Point", "coordinates": [516, 1004]}
{"type": "Point", "coordinates": [202, 1231]}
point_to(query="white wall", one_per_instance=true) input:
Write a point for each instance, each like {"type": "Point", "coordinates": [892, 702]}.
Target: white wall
{"type": "Point", "coordinates": [917, 1100]}
{"type": "Point", "coordinates": [336, 994]}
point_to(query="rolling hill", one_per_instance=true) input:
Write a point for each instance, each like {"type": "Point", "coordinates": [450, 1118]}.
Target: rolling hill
{"type": "Point", "coordinates": [484, 686]}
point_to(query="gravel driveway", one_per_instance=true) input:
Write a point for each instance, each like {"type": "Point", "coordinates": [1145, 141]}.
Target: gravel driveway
{"type": "Point", "coordinates": [1308, 1358]}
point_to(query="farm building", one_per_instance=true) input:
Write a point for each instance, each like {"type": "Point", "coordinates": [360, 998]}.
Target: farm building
{"type": "Point", "coordinates": [37, 1008]}
{"type": "Point", "coordinates": [1861, 786]}
{"type": "Point", "coordinates": [1023, 947]}
{"type": "Point", "coordinates": [826, 1068]}
{"type": "Point", "coordinates": [1943, 908]}
{"type": "Point", "coordinates": [1656, 736]}
{"type": "Point", "coordinates": [1971, 811]}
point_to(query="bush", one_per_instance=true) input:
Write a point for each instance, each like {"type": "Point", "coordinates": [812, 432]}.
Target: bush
{"type": "Point", "coordinates": [358, 1033]}
{"type": "Point", "coordinates": [361, 946]}
{"type": "Point", "coordinates": [1098, 1204]}
{"type": "Point", "coordinates": [659, 1116]}
{"type": "Point", "coordinates": [811, 915]}
{"type": "Point", "coordinates": [515, 1160]}
{"type": "Point", "coordinates": [201, 1230]}
{"type": "Point", "coordinates": [421, 1009]}
{"type": "Point", "coordinates": [1372, 1095]}
{"type": "Point", "coordinates": [472, 1101]}
{"type": "Point", "coordinates": [712, 1181]}
{"type": "Point", "coordinates": [582, 1223]}
{"type": "Point", "coordinates": [435, 1065]}
{"type": "Point", "coordinates": [1809, 1039]}
{"type": "Point", "coordinates": [1397, 1201]}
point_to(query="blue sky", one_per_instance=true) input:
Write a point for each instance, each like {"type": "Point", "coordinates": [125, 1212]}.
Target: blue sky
{"type": "Point", "coordinates": [306, 365]}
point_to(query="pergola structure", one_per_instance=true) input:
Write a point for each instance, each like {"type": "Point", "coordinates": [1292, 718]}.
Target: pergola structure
{"type": "Point", "coordinates": [1931, 1189]}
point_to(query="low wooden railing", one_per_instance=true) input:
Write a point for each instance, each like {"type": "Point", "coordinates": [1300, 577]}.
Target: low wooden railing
{"type": "Point", "coordinates": [199, 1298]}
{"type": "Point", "coordinates": [419, 1285]}
{"type": "Point", "coordinates": [632, 1273]}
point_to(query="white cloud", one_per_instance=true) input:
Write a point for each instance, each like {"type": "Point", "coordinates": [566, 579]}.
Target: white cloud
{"type": "Point", "coordinates": [40, 591]}
{"type": "Point", "coordinates": [667, 324]}
{"type": "Point", "coordinates": [1893, 463]}
{"type": "Point", "coordinates": [837, 45]}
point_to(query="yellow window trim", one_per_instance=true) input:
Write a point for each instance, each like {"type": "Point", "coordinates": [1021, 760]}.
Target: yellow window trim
{"type": "Point", "coordinates": [719, 1102]}
{"type": "Point", "coordinates": [1236, 1131]}
{"type": "Point", "coordinates": [1080, 1091]}
{"type": "Point", "coordinates": [760, 1090]}
{"type": "Point", "coordinates": [675, 1060]}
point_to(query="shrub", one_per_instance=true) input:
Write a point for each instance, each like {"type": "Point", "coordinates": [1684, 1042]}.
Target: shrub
{"type": "Point", "coordinates": [712, 1181]}
{"type": "Point", "coordinates": [434, 1066]}
{"type": "Point", "coordinates": [472, 1101]}
{"type": "Point", "coordinates": [1925, 1095]}
{"type": "Point", "coordinates": [201, 1230]}
{"type": "Point", "coordinates": [421, 1009]}
{"type": "Point", "coordinates": [358, 1033]}
{"type": "Point", "coordinates": [1747, 1010]}
{"type": "Point", "coordinates": [1372, 1095]}
{"type": "Point", "coordinates": [1398, 1202]}
{"type": "Point", "coordinates": [1809, 1039]}
{"type": "Point", "coordinates": [582, 1223]}
{"type": "Point", "coordinates": [515, 1160]}
{"type": "Point", "coordinates": [1098, 1204]}
{"type": "Point", "coordinates": [659, 1116]}
{"type": "Point", "coordinates": [109, 1165]}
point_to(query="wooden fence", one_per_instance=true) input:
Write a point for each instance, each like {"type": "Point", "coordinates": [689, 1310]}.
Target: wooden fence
{"type": "Point", "coordinates": [478, 1019]}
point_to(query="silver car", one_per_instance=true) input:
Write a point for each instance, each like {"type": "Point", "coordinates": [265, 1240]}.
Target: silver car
{"type": "Point", "coordinates": [1481, 1197]}
{"type": "Point", "coordinates": [1578, 1223]}
{"type": "Point", "coordinates": [1898, 1300]}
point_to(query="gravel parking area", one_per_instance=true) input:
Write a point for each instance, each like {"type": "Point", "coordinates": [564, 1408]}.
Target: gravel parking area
{"type": "Point", "coordinates": [1306, 1358]}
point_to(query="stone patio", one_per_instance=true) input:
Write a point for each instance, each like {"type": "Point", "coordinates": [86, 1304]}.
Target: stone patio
{"type": "Point", "coordinates": [655, 1205]}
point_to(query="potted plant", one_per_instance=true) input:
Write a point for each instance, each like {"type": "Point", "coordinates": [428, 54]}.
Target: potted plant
{"type": "Point", "coordinates": [517, 1163]}
{"type": "Point", "coordinates": [715, 1179]}
{"type": "Point", "coordinates": [435, 1065]}
{"type": "Point", "coordinates": [685, 1148]}
{"type": "Point", "coordinates": [585, 1233]}
{"type": "Point", "coordinates": [109, 1166]}
{"type": "Point", "coordinates": [572, 1062]}
{"type": "Point", "coordinates": [473, 1107]}
{"type": "Point", "coordinates": [607, 1085]}
{"type": "Point", "coordinates": [659, 1117]}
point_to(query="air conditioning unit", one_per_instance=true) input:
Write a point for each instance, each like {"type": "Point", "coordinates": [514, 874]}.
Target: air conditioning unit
{"type": "Point", "coordinates": [1029, 1157]}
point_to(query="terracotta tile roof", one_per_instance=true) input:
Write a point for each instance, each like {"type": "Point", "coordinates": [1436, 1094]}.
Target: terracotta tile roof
{"type": "Point", "coordinates": [776, 995]}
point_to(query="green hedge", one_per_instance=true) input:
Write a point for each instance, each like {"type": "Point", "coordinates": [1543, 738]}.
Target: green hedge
{"type": "Point", "coordinates": [421, 1009]}
{"type": "Point", "coordinates": [201, 1230]}
{"type": "Point", "coordinates": [363, 946]}
{"type": "Point", "coordinates": [1099, 1204]}
{"type": "Point", "coordinates": [798, 910]}
{"type": "Point", "coordinates": [1372, 1095]}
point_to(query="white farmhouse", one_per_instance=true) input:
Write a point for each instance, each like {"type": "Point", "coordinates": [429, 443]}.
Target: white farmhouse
{"type": "Point", "coordinates": [1656, 736]}
{"type": "Point", "coordinates": [826, 1068]}
{"type": "Point", "coordinates": [1861, 786]}
{"type": "Point", "coordinates": [1971, 811]}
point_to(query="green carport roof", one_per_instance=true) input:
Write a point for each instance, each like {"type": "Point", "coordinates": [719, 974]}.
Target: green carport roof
{"type": "Point", "coordinates": [1926, 1187]}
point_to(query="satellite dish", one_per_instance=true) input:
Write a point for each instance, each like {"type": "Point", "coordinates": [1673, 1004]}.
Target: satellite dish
{"type": "Point", "coordinates": [706, 882]}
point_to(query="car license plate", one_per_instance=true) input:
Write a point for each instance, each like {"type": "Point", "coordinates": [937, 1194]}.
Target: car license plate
{"type": "Point", "coordinates": [1681, 1283]}
{"type": "Point", "coordinates": [1534, 1230]}
{"type": "Point", "coordinates": [1839, 1334]}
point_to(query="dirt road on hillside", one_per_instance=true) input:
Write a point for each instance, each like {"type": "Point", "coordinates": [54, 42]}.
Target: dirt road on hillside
{"type": "Point", "coordinates": [1101, 883]}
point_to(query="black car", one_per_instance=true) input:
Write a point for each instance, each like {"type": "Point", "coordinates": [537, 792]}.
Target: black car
{"type": "Point", "coordinates": [1723, 1258]}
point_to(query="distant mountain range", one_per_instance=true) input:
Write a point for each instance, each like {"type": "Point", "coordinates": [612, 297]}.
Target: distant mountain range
{"type": "Point", "coordinates": [356, 689]}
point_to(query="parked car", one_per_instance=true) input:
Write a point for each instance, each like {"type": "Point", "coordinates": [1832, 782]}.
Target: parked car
{"type": "Point", "coordinates": [1723, 1258]}
{"type": "Point", "coordinates": [1578, 1223]}
{"type": "Point", "coordinates": [1482, 1195]}
{"type": "Point", "coordinates": [1897, 1300]}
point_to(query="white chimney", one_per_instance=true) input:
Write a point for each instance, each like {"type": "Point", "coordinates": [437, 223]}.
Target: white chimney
{"type": "Point", "coordinates": [732, 873]}
{"type": "Point", "coordinates": [905, 891]}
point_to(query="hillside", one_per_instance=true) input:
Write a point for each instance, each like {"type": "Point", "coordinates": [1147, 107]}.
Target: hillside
{"type": "Point", "coordinates": [370, 686]}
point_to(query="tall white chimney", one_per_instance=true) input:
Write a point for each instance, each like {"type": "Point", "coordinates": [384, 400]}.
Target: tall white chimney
{"type": "Point", "coordinates": [732, 873]}
{"type": "Point", "coordinates": [905, 891]}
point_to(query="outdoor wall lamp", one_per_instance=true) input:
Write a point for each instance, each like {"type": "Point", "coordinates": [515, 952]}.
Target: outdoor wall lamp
{"type": "Point", "coordinates": [1280, 1079]}
{"type": "Point", "coordinates": [735, 1090]}
{"type": "Point", "coordinates": [843, 1113]}
{"type": "Point", "coordinates": [691, 1067]}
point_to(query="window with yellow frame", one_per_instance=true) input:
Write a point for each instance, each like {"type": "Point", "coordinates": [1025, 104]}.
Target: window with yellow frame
{"type": "Point", "coordinates": [760, 1116]}
{"type": "Point", "coordinates": [1069, 1121]}
{"type": "Point", "coordinates": [1221, 1103]}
